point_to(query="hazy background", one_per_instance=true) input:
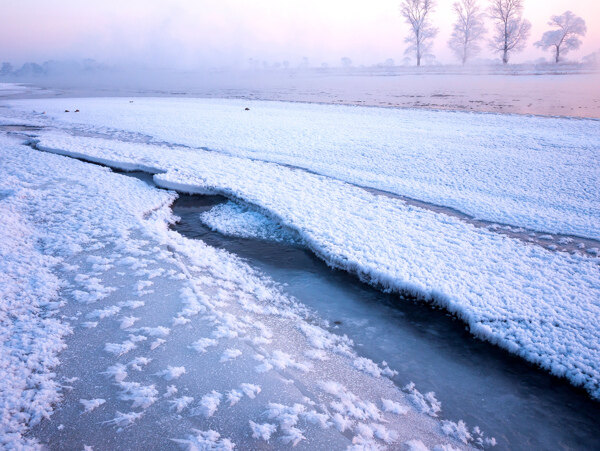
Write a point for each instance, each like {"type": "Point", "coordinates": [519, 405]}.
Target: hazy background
{"type": "Point", "coordinates": [200, 34]}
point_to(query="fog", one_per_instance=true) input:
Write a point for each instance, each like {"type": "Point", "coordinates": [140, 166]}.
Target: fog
{"type": "Point", "coordinates": [288, 50]}
{"type": "Point", "coordinates": [234, 34]}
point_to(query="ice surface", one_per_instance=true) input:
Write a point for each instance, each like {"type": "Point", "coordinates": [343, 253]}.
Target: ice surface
{"type": "Point", "coordinates": [7, 89]}
{"type": "Point", "coordinates": [534, 172]}
{"type": "Point", "coordinates": [36, 238]}
{"type": "Point", "coordinates": [538, 304]}
{"type": "Point", "coordinates": [535, 303]}
{"type": "Point", "coordinates": [66, 211]}
{"type": "Point", "coordinates": [242, 221]}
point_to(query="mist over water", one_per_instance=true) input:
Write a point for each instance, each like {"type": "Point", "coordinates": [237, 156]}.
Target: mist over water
{"type": "Point", "coordinates": [540, 90]}
{"type": "Point", "coordinates": [230, 34]}
{"type": "Point", "coordinates": [333, 52]}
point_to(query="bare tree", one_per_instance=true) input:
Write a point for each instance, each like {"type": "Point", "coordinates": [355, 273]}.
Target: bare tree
{"type": "Point", "coordinates": [416, 14]}
{"type": "Point", "coordinates": [565, 37]}
{"type": "Point", "coordinates": [346, 62]}
{"type": "Point", "coordinates": [511, 30]}
{"type": "Point", "coordinates": [468, 29]}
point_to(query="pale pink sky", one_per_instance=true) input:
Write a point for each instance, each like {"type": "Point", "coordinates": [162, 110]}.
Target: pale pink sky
{"type": "Point", "coordinates": [193, 33]}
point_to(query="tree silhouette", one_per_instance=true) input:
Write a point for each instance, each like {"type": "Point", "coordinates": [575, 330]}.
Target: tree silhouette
{"type": "Point", "coordinates": [566, 35]}
{"type": "Point", "coordinates": [416, 14]}
{"type": "Point", "coordinates": [511, 31]}
{"type": "Point", "coordinates": [468, 29]}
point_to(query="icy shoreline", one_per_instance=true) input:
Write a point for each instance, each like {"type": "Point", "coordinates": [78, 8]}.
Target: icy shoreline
{"type": "Point", "coordinates": [485, 301]}
{"type": "Point", "coordinates": [538, 304]}
{"type": "Point", "coordinates": [167, 328]}
{"type": "Point", "coordinates": [541, 176]}
{"type": "Point", "coordinates": [533, 302]}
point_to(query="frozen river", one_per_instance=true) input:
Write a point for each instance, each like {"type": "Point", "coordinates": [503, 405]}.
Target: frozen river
{"type": "Point", "coordinates": [478, 233]}
{"type": "Point", "coordinates": [521, 406]}
{"type": "Point", "coordinates": [519, 91]}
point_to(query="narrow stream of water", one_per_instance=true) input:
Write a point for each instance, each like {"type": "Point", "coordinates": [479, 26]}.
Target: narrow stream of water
{"type": "Point", "coordinates": [521, 406]}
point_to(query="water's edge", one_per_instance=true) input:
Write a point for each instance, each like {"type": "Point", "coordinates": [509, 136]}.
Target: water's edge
{"type": "Point", "coordinates": [508, 397]}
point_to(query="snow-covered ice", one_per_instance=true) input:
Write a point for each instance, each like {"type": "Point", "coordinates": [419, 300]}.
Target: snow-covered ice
{"type": "Point", "coordinates": [535, 172]}
{"type": "Point", "coordinates": [172, 372]}
{"type": "Point", "coordinates": [91, 404]}
{"type": "Point", "coordinates": [294, 173]}
{"type": "Point", "coordinates": [7, 89]}
{"type": "Point", "coordinates": [533, 302]}
{"type": "Point", "coordinates": [242, 221]}
{"type": "Point", "coordinates": [60, 208]}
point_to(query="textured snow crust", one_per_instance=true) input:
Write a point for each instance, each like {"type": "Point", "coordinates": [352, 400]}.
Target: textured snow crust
{"type": "Point", "coordinates": [204, 356]}
{"type": "Point", "coordinates": [242, 221]}
{"type": "Point", "coordinates": [533, 172]}
{"type": "Point", "coordinates": [533, 302]}
{"type": "Point", "coordinates": [36, 245]}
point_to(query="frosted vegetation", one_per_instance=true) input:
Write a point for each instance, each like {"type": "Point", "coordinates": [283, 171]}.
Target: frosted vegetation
{"type": "Point", "coordinates": [566, 35]}
{"type": "Point", "coordinates": [167, 327]}
{"type": "Point", "coordinates": [509, 34]}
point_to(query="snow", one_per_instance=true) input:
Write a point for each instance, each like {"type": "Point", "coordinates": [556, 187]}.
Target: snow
{"type": "Point", "coordinates": [426, 403]}
{"type": "Point", "coordinates": [117, 371]}
{"type": "Point", "coordinates": [230, 354]}
{"type": "Point", "coordinates": [415, 445]}
{"type": "Point", "coordinates": [287, 417]}
{"type": "Point", "coordinates": [36, 239]}
{"type": "Point", "coordinates": [541, 175]}
{"type": "Point", "coordinates": [171, 390]}
{"type": "Point", "coordinates": [91, 404]}
{"type": "Point", "coordinates": [139, 362]}
{"type": "Point", "coordinates": [536, 303]}
{"type": "Point", "coordinates": [206, 440]}
{"type": "Point", "coordinates": [128, 321]}
{"type": "Point", "coordinates": [393, 407]}
{"type": "Point", "coordinates": [120, 348]}
{"type": "Point", "coordinates": [132, 304]}
{"type": "Point", "coordinates": [181, 403]}
{"type": "Point", "coordinates": [172, 372]}
{"type": "Point", "coordinates": [202, 344]}
{"type": "Point", "coordinates": [458, 430]}
{"type": "Point", "coordinates": [341, 422]}
{"type": "Point", "coordinates": [104, 313]}
{"type": "Point", "coordinates": [123, 420]}
{"type": "Point", "coordinates": [307, 381]}
{"type": "Point", "coordinates": [250, 390]}
{"type": "Point", "coordinates": [262, 431]}
{"type": "Point", "coordinates": [280, 360]}
{"type": "Point", "coordinates": [158, 331]}
{"type": "Point", "coordinates": [245, 222]}
{"type": "Point", "coordinates": [30, 337]}
{"type": "Point", "coordinates": [370, 367]}
{"type": "Point", "coordinates": [142, 396]}
{"type": "Point", "coordinates": [208, 405]}
{"type": "Point", "coordinates": [156, 343]}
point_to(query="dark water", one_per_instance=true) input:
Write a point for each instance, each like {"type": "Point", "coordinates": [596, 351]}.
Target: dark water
{"type": "Point", "coordinates": [521, 406]}
{"type": "Point", "coordinates": [19, 128]}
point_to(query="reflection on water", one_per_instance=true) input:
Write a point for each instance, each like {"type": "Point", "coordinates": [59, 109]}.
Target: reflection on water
{"type": "Point", "coordinates": [519, 405]}
{"type": "Point", "coordinates": [523, 92]}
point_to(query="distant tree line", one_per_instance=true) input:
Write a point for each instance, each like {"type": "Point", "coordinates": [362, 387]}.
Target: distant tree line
{"type": "Point", "coordinates": [31, 70]}
{"type": "Point", "coordinates": [509, 33]}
